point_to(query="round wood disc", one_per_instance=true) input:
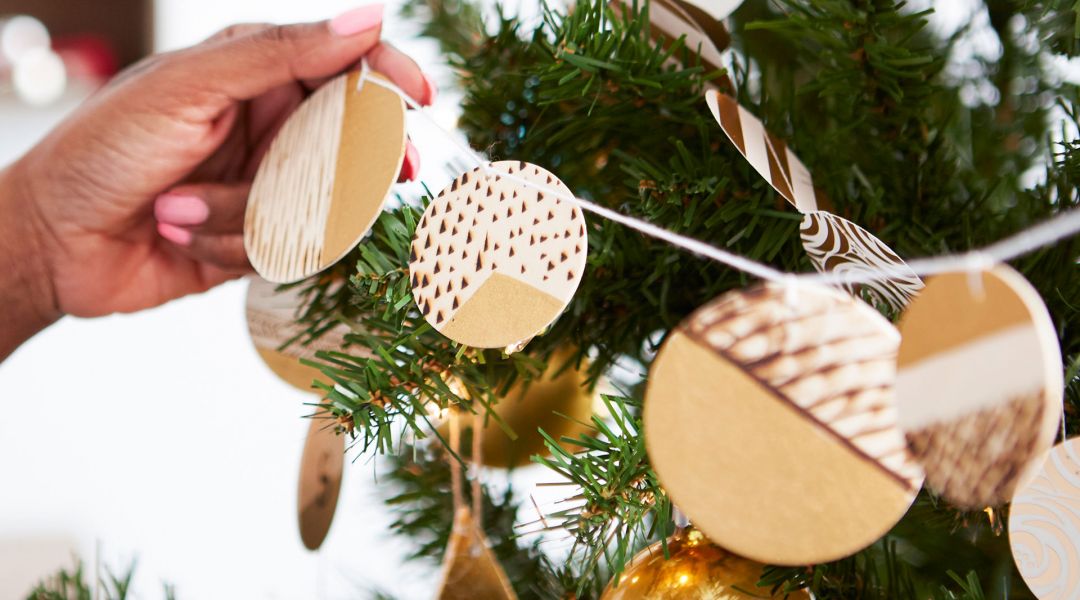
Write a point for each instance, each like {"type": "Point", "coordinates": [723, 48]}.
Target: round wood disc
{"type": "Point", "coordinates": [1044, 525]}
{"type": "Point", "coordinates": [494, 262]}
{"type": "Point", "coordinates": [321, 469]}
{"type": "Point", "coordinates": [979, 383]}
{"type": "Point", "coordinates": [271, 320]}
{"type": "Point", "coordinates": [323, 181]}
{"type": "Point", "coordinates": [769, 419]}
{"type": "Point", "coordinates": [837, 245]}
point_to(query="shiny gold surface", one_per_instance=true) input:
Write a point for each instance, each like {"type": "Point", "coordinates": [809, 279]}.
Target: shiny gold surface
{"type": "Point", "coordinates": [539, 406]}
{"type": "Point", "coordinates": [696, 570]}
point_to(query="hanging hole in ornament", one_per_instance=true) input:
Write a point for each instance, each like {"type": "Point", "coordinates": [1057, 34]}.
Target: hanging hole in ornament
{"type": "Point", "coordinates": [977, 264]}
{"type": "Point", "coordinates": [790, 284]}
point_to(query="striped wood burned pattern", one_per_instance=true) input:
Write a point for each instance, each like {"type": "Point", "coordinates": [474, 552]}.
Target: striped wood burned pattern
{"type": "Point", "coordinates": [704, 34]}
{"type": "Point", "coordinates": [836, 245]}
{"type": "Point", "coordinates": [484, 225]}
{"type": "Point", "coordinates": [830, 356]}
{"type": "Point", "coordinates": [769, 156]}
{"type": "Point", "coordinates": [325, 177]}
{"type": "Point", "coordinates": [285, 225]}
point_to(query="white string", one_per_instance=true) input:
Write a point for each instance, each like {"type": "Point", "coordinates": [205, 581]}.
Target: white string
{"type": "Point", "coordinates": [1052, 230]}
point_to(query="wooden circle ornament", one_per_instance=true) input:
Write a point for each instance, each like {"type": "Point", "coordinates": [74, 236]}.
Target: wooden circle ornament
{"type": "Point", "coordinates": [769, 418]}
{"type": "Point", "coordinates": [495, 261]}
{"type": "Point", "coordinates": [321, 468]}
{"type": "Point", "coordinates": [979, 383]}
{"type": "Point", "coordinates": [322, 183]}
{"type": "Point", "coordinates": [1044, 525]}
{"type": "Point", "coordinates": [271, 320]}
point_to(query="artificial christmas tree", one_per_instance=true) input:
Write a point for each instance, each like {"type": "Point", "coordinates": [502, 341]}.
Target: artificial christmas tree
{"type": "Point", "coordinates": [926, 156]}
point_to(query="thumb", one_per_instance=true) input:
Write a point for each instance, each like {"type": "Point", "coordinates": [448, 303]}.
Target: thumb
{"type": "Point", "coordinates": [242, 66]}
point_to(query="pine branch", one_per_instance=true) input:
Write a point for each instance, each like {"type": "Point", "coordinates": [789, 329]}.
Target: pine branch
{"type": "Point", "coordinates": [861, 91]}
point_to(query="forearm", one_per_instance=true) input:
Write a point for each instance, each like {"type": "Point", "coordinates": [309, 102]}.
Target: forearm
{"type": "Point", "coordinates": [26, 299]}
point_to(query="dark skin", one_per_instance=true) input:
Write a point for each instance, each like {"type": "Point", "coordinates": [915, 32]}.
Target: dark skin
{"type": "Point", "coordinates": [80, 234]}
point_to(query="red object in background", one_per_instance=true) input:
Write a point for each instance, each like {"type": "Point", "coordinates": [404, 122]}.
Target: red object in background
{"type": "Point", "coordinates": [87, 57]}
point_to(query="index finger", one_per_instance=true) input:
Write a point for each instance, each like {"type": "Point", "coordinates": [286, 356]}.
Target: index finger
{"type": "Point", "coordinates": [227, 70]}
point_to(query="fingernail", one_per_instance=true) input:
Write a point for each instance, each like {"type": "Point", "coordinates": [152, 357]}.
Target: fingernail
{"type": "Point", "coordinates": [412, 162]}
{"type": "Point", "coordinates": [431, 90]}
{"type": "Point", "coordinates": [357, 20]}
{"type": "Point", "coordinates": [176, 235]}
{"type": "Point", "coordinates": [179, 209]}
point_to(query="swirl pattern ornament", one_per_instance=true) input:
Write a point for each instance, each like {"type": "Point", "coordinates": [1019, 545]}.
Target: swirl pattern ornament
{"type": "Point", "coordinates": [1044, 525]}
{"type": "Point", "coordinates": [836, 245]}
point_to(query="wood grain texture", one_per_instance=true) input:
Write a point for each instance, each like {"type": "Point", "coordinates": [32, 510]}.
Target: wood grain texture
{"type": "Point", "coordinates": [494, 262]}
{"type": "Point", "coordinates": [769, 156]}
{"type": "Point", "coordinates": [772, 425]}
{"type": "Point", "coordinates": [979, 383]}
{"type": "Point", "coordinates": [323, 180]}
{"type": "Point", "coordinates": [1044, 525]}
{"type": "Point", "coordinates": [836, 245]}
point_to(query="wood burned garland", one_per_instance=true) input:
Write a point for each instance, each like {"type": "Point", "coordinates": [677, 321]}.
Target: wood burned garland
{"type": "Point", "coordinates": [769, 156]}
{"type": "Point", "coordinates": [979, 383]}
{"type": "Point", "coordinates": [494, 262]}
{"type": "Point", "coordinates": [769, 416]}
{"type": "Point", "coordinates": [836, 245]}
{"type": "Point", "coordinates": [322, 183]}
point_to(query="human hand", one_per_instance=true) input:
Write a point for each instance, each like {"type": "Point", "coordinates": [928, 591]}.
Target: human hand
{"type": "Point", "coordinates": [139, 197]}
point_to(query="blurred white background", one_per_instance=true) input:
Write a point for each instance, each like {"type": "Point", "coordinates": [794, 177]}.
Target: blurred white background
{"type": "Point", "coordinates": [162, 436]}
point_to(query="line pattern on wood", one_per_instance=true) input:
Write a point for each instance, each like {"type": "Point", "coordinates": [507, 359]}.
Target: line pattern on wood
{"type": "Point", "coordinates": [829, 355]}
{"type": "Point", "coordinates": [769, 156]}
{"type": "Point", "coordinates": [978, 458]}
{"type": "Point", "coordinates": [290, 197]}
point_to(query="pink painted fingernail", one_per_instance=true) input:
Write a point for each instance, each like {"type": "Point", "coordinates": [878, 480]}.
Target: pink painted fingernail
{"type": "Point", "coordinates": [412, 162]}
{"type": "Point", "coordinates": [431, 90]}
{"type": "Point", "coordinates": [357, 20]}
{"type": "Point", "coordinates": [180, 209]}
{"type": "Point", "coordinates": [176, 235]}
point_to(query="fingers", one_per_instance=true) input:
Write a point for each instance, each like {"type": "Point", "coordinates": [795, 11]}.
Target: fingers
{"type": "Point", "coordinates": [204, 208]}
{"type": "Point", "coordinates": [224, 252]}
{"type": "Point", "coordinates": [206, 222]}
{"type": "Point", "coordinates": [403, 71]}
{"type": "Point", "coordinates": [238, 30]}
{"type": "Point", "coordinates": [410, 167]}
{"type": "Point", "coordinates": [243, 66]}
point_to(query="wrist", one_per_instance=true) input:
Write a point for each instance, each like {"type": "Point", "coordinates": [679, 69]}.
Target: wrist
{"type": "Point", "coordinates": [27, 295]}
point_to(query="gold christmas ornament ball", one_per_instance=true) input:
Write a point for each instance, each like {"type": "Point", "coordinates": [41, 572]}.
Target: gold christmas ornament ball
{"type": "Point", "coordinates": [558, 403]}
{"type": "Point", "coordinates": [696, 569]}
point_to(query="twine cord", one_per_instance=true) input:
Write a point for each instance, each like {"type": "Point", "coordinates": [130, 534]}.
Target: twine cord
{"type": "Point", "coordinates": [1061, 226]}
